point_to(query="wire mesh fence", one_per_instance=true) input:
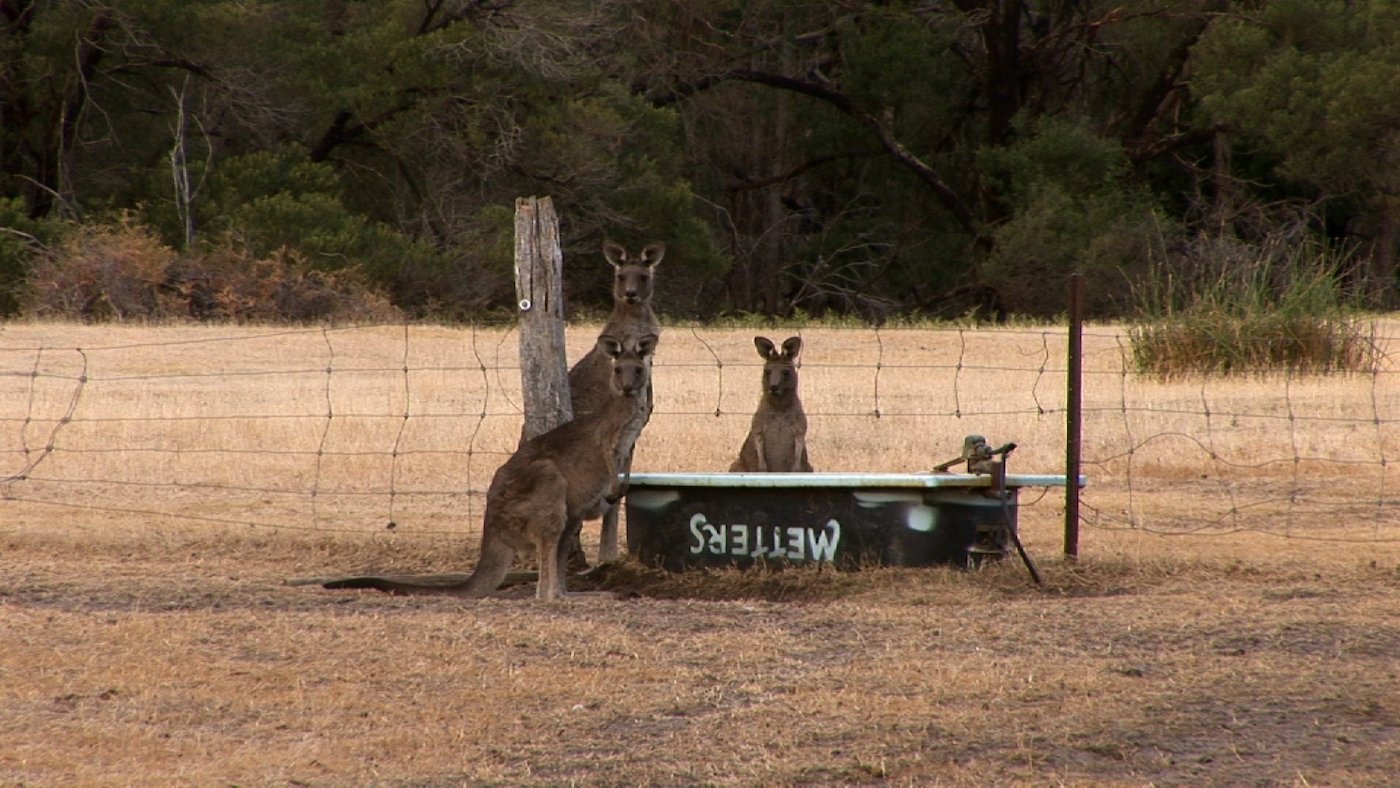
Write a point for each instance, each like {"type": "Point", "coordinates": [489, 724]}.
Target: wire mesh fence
{"type": "Point", "coordinates": [398, 428]}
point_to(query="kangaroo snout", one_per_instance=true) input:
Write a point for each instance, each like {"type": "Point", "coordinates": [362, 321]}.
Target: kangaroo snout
{"type": "Point", "coordinates": [631, 387]}
{"type": "Point", "coordinates": [630, 370]}
{"type": "Point", "coordinates": [779, 377]}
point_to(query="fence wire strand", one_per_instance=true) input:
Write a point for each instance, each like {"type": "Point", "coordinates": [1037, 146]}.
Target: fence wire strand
{"type": "Point", "coordinates": [401, 426]}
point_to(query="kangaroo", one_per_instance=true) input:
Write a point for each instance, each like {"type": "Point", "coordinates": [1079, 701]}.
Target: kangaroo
{"type": "Point", "coordinates": [777, 439]}
{"type": "Point", "coordinates": [632, 315]}
{"type": "Point", "coordinates": [551, 484]}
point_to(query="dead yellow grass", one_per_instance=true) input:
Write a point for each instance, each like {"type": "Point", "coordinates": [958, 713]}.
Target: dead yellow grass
{"type": "Point", "coordinates": [149, 637]}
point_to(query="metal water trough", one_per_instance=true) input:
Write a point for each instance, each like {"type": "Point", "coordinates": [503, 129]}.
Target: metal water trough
{"type": "Point", "coordinates": [683, 521]}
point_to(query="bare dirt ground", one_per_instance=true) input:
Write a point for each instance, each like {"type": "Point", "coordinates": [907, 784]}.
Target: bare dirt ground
{"type": "Point", "coordinates": [190, 661]}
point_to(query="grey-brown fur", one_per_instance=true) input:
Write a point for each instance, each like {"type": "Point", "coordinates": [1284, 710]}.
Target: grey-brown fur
{"type": "Point", "coordinates": [777, 439]}
{"type": "Point", "coordinates": [632, 316]}
{"type": "Point", "coordinates": [551, 484]}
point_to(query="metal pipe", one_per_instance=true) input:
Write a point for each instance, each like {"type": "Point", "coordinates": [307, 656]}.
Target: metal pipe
{"type": "Point", "coordinates": [1074, 414]}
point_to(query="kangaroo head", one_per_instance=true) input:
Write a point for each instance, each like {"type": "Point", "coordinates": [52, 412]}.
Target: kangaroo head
{"type": "Point", "coordinates": [630, 369]}
{"type": "Point", "coordinates": [779, 366]}
{"type": "Point", "coordinates": [632, 275]}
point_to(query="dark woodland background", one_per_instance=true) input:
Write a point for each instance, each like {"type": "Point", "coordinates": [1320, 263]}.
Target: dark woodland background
{"type": "Point", "coordinates": [246, 158]}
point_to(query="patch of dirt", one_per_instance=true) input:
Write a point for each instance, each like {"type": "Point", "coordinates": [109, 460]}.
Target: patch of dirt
{"type": "Point", "coordinates": [198, 663]}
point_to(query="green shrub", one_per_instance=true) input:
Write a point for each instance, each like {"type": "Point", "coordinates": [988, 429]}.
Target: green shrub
{"type": "Point", "coordinates": [1071, 207]}
{"type": "Point", "coordinates": [274, 200]}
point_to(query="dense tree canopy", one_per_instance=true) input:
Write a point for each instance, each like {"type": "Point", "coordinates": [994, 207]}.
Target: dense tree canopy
{"type": "Point", "coordinates": [938, 156]}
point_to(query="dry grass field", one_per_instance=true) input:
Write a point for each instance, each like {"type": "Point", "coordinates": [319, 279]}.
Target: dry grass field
{"type": "Point", "coordinates": [1234, 617]}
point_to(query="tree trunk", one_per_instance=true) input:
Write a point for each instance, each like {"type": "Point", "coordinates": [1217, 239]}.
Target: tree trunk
{"type": "Point", "coordinates": [1223, 179]}
{"type": "Point", "coordinates": [54, 178]}
{"type": "Point", "coordinates": [1001, 37]}
{"type": "Point", "coordinates": [1383, 289]}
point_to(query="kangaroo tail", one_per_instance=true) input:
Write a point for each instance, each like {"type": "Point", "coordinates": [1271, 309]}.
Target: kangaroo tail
{"type": "Point", "coordinates": [390, 585]}
{"type": "Point", "coordinates": [490, 572]}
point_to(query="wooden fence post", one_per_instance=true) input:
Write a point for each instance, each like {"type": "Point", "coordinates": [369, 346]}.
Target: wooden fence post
{"type": "Point", "coordinates": [539, 267]}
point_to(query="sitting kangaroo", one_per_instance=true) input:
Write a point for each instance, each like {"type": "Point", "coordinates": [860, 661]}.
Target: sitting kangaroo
{"type": "Point", "coordinates": [777, 439]}
{"type": "Point", "coordinates": [632, 315]}
{"type": "Point", "coordinates": [551, 484]}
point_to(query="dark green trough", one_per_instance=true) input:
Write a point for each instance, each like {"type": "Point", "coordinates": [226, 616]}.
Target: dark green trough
{"type": "Point", "coordinates": [683, 521]}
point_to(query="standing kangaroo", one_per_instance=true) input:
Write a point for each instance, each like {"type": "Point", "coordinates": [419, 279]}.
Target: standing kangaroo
{"type": "Point", "coordinates": [551, 484]}
{"type": "Point", "coordinates": [632, 315]}
{"type": "Point", "coordinates": [777, 439]}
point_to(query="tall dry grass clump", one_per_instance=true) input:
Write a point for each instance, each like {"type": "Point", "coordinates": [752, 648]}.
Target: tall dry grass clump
{"type": "Point", "coordinates": [1230, 308]}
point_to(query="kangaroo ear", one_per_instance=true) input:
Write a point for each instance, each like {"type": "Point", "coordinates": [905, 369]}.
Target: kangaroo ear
{"type": "Point", "coordinates": [792, 347]}
{"type": "Point", "coordinates": [610, 346]}
{"type": "Point", "coordinates": [646, 345]}
{"type": "Point", "coordinates": [653, 253]}
{"type": "Point", "coordinates": [765, 347]}
{"type": "Point", "coordinates": [614, 253]}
